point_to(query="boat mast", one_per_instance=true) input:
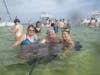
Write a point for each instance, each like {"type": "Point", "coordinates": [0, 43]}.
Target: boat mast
{"type": "Point", "coordinates": [7, 10]}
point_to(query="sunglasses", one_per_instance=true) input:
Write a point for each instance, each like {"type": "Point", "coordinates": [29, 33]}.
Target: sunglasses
{"type": "Point", "coordinates": [31, 30]}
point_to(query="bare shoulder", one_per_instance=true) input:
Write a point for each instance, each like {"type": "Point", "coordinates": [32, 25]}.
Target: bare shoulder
{"type": "Point", "coordinates": [19, 26]}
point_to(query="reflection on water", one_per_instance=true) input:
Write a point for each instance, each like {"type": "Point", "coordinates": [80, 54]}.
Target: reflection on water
{"type": "Point", "coordinates": [83, 62]}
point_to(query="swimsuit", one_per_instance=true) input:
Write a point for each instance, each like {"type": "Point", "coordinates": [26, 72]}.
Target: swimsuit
{"type": "Point", "coordinates": [27, 41]}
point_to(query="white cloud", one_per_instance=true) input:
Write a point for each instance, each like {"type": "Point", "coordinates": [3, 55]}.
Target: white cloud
{"type": "Point", "coordinates": [33, 8]}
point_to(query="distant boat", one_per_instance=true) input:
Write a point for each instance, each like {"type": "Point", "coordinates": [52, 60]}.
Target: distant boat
{"type": "Point", "coordinates": [2, 24]}
{"type": "Point", "coordinates": [44, 17]}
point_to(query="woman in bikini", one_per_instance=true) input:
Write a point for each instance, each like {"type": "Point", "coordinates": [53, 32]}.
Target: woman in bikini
{"type": "Point", "coordinates": [27, 41]}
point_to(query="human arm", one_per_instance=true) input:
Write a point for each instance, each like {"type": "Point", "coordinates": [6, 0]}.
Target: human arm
{"type": "Point", "coordinates": [13, 30]}
{"type": "Point", "coordinates": [71, 44]}
{"type": "Point", "coordinates": [19, 40]}
{"type": "Point", "coordinates": [43, 41]}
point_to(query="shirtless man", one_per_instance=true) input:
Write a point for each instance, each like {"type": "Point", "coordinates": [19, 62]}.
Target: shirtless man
{"type": "Point", "coordinates": [52, 40]}
{"type": "Point", "coordinates": [18, 30]}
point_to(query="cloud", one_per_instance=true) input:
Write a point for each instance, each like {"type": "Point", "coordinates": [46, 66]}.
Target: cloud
{"type": "Point", "coordinates": [28, 9]}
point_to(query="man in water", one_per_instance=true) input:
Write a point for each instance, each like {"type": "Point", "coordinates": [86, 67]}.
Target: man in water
{"type": "Point", "coordinates": [18, 30]}
{"type": "Point", "coordinates": [52, 40]}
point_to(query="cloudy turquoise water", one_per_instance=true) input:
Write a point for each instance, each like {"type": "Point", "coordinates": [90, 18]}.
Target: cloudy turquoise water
{"type": "Point", "coordinates": [83, 62]}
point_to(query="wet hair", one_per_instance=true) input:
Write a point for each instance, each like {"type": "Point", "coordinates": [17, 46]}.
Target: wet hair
{"type": "Point", "coordinates": [30, 27]}
{"type": "Point", "coordinates": [38, 23]}
{"type": "Point", "coordinates": [17, 20]}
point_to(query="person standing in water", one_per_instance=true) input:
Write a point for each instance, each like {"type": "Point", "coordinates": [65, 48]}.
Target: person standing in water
{"type": "Point", "coordinates": [52, 40]}
{"type": "Point", "coordinates": [68, 24]}
{"type": "Point", "coordinates": [18, 30]}
{"type": "Point", "coordinates": [38, 27]}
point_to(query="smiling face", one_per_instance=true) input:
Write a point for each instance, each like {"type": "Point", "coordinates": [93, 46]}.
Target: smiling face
{"type": "Point", "coordinates": [65, 35]}
{"type": "Point", "coordinates": [31, 30]}
{"type": "Point", "coordinates": [52, 37]}
{"type": "Point", "coordinates": [51, 32]}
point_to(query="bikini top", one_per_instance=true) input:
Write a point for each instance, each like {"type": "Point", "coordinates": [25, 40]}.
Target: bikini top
{"type": "Point", "coordinates": [27, 41]}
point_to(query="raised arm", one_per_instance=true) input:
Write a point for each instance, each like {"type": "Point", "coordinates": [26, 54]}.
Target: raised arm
{"type": "Point", "coordinates": [13, 30]}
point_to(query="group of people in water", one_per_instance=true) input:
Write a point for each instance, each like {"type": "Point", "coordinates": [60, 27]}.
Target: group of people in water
{"type": "Point", "coordinates": [30, 38]}
{"type": "Point", "coordinates": [93, 22]}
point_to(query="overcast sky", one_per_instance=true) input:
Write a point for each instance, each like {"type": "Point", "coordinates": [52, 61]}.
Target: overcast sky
{"type": "Point", "coordinates": [31, 9]}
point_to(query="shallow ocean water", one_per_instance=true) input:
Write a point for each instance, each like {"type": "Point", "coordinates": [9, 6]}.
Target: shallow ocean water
{"type": "Point", "coordinates": [83, 62]}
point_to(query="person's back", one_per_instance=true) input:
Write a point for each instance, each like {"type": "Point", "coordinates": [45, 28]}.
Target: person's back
{"type": "Point", "coordinates": [19, 31]}
{"type": "Point", "coordinates": [55, 28]}
{"type": "Point", "coordinates": [61, 24]}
